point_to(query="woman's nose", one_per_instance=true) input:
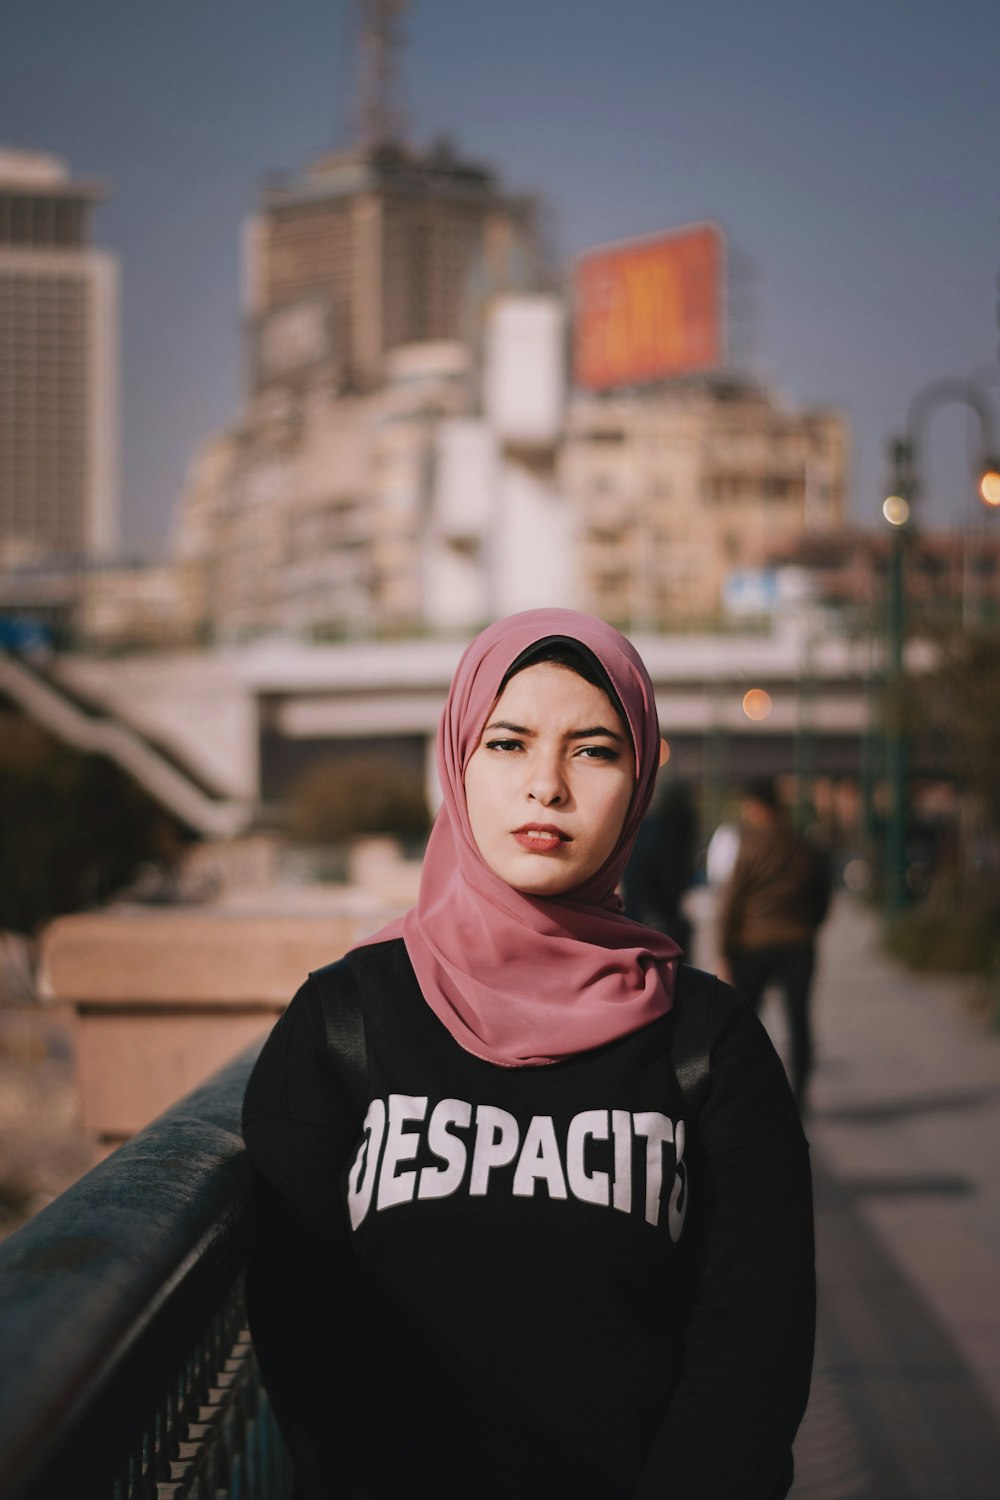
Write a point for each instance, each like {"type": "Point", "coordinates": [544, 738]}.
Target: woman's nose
{"type": "Point", "coordinates": [546, 781]}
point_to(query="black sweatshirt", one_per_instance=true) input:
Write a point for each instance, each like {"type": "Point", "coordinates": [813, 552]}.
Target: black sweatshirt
{"type": "Point", "coordinates": [531, 1282]}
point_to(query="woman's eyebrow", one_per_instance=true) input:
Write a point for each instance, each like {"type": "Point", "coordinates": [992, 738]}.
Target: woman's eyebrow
{"type": "Point", "coordinates": [571, 734]}
{"type": "Point", "coordinates": [505, 724]}
{"type": "Point", "coordinates": [586, 734]}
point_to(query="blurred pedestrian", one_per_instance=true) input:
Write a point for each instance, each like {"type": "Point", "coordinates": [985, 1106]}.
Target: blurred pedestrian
{"type": "Point", "coordinates": [720, 856]}
{"type": "Point", "coordinates": [771, 909]}
{"type": "Point", "coordinates": [662, 865]}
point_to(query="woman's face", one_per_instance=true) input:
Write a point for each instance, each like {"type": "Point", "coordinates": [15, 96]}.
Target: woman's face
{"type": "Point", "coordinates": [550, 782]}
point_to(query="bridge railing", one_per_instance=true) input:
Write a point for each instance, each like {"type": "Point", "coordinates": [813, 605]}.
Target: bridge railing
{"type": "Point", "coordinates": [126, 1370]}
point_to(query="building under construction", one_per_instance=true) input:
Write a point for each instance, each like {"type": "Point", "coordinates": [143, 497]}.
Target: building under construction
{"type": "Point", "coordinates": [370, 249]}
{"type": "Point", "coordinates": [378, 246]}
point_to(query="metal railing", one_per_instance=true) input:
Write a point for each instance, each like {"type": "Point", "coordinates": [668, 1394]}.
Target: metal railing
{"type": "Point", "coordinates": [126, 1369]}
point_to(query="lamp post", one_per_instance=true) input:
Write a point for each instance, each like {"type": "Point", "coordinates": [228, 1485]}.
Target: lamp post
{"type": "Point", "coordinates": [898, 510]}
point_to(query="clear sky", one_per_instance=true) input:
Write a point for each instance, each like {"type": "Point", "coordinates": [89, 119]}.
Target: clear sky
{"type": "Point", "coordinates": [851, 151]}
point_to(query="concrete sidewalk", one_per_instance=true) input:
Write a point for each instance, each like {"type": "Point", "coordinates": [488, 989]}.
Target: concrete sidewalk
{"type": "Point", "coordinates": [905, 1131]}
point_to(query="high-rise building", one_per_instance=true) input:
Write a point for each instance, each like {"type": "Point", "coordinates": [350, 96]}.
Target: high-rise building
{"type": "Point", "coordinates": [58, 368]}
{"type": "Point", "coordinates": [370, 284]}
{"type": "Point", "coordinates": [371, 249]}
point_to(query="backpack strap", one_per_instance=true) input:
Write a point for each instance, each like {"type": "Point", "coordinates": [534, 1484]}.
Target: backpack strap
{"type": "Point", "coordinates": [344, 1017]}
{"type": "Point", "coordinates": [691, 1047]}
{"type": "Point", "coordinates": [690, 1051]}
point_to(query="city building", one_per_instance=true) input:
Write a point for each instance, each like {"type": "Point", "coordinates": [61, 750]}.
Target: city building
{"type": "Point", "coordinates": [677, 488]}
{"type": "Point", "coordinates": [473, 482]}
{"type": "Point", "coordinates": [408, 510]}
{"type": "Point", "coordinates": [58, 368]}
{"type": "Point", "coordinates": [384, 464]}
{"type": "Point", "coordinates": [412, 458]}
{"type": "Point", "coordinates": [374, 248]}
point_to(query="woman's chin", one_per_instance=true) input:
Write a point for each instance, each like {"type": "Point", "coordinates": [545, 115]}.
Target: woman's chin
{"type": "Point", "coordinates": [554, 881]}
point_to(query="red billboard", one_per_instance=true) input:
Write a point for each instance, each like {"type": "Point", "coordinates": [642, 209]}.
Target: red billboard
{"type": "Point", "coordinates": [649, 309]}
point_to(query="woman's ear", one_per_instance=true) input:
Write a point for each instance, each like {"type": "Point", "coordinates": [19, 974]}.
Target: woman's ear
{"type": "Point", "coordinates": [664, 752]}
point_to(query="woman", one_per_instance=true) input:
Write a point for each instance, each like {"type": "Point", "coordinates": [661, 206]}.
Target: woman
{"type": "Point", "coordinates": [482, 1279]}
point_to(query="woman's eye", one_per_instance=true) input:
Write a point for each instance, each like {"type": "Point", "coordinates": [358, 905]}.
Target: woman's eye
{"type": "Point", "coordinates": [598, 752]}
{"type": "Point", "coordinates": [504, 745]}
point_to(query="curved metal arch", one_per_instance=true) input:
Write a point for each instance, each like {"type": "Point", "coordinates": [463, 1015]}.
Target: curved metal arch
{"type": "Point", "coordinates": [943, 393]}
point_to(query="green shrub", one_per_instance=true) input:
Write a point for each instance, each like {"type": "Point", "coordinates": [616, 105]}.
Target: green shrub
{"type": "Point", "coordinates": [74, 829]}
{"type": "Point", "coordinates": [342, 798]}
{"type": "Point", "coordinates": [945, 943]}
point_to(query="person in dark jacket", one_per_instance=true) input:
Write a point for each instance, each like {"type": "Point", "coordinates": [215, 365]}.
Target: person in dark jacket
{"type": "Point", "coordinates": [770, 912]}
{"type": "Point", "coordinates": [516, 1264]}
{"type": "Point", "coordinates": [661, 868]}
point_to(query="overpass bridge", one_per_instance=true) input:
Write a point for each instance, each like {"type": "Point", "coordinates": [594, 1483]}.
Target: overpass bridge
{"type": "Point", "coordinates": [251, 719]}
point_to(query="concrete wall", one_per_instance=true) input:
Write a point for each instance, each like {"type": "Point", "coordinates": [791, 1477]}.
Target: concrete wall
{"type": "Point", "coordinates": [164, 998]}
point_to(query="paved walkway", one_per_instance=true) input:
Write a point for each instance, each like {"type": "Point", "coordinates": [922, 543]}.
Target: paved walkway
{"type": "Point", "coordinates": [905, 1130]}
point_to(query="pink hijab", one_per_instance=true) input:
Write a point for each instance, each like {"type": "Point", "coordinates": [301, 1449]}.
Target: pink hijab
{"type": "Point", "coordinates": [523, 980]}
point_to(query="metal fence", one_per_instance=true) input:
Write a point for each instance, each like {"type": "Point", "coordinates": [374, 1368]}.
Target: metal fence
{"type": "Point", "coordinates": [126, 1369]}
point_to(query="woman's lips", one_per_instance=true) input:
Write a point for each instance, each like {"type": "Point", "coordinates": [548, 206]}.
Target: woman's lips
{"type": "Point", "coordinates": [540, 838]}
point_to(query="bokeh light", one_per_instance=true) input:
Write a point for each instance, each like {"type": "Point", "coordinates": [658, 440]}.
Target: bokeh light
{"type": "Point", "coordinates": [989, 488]}
{"type": "Point", "coordinates": [896, 510]}
{"type": "Point", "coordinates": [757, 704]}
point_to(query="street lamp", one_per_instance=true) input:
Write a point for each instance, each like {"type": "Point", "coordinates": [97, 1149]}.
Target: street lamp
{"type": "Point", "coordinates": [975, 605]}
{"type": "Point", "coordinates": [898, 509]}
